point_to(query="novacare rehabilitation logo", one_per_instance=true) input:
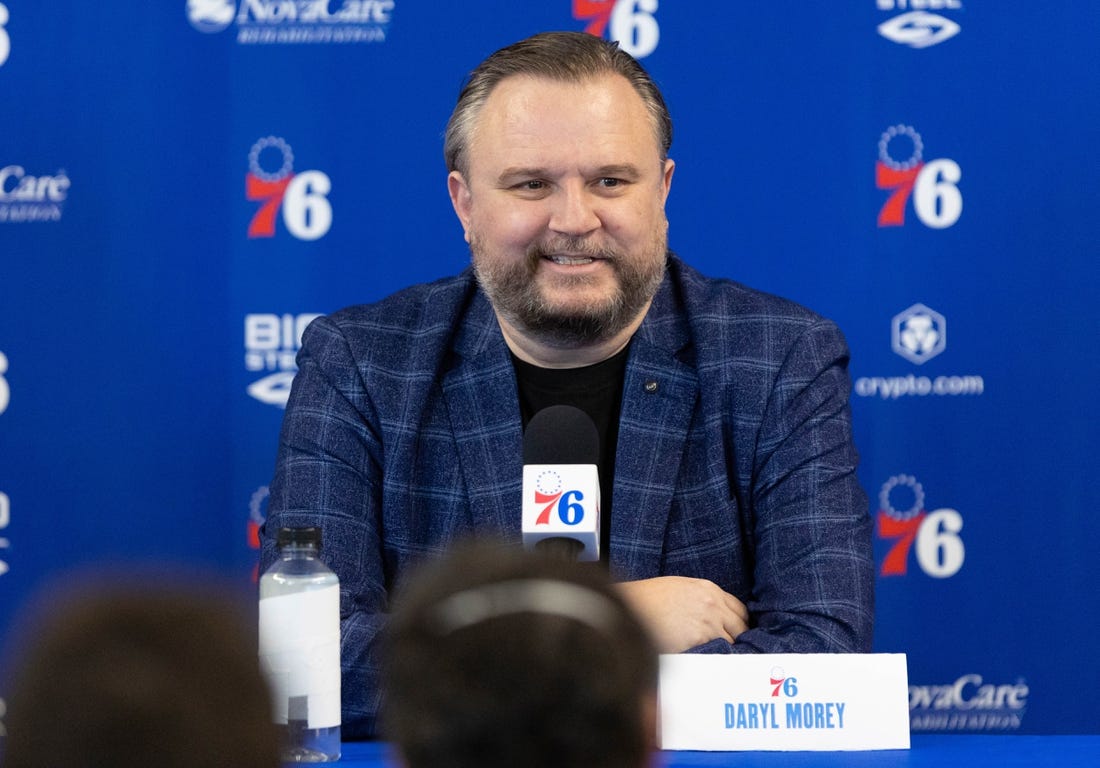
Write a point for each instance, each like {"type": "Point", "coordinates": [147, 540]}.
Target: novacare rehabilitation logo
{"type": "Point", "coordinates": [29, 198]}
{"type": "Point", "coordinates": [266, 22]}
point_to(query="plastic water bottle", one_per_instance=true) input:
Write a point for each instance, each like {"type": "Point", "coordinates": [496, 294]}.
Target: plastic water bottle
{"type": "Point", "coordinates": [300, 647]}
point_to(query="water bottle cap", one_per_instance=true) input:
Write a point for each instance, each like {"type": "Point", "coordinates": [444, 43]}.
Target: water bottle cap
{"type": "Point", "coordinates": [299, 536]}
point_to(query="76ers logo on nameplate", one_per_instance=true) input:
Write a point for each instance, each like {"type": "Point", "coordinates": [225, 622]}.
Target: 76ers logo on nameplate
{"type": "Point", "coordinates": [780, 682]}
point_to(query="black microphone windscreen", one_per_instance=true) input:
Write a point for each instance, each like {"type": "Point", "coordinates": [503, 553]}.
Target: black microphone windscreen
{"type": "Point", "coordinates": [561, 434]}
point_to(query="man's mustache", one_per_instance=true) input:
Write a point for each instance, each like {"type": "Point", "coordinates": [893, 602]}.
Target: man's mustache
{"type": "Point", "coordinates": [570, 246]}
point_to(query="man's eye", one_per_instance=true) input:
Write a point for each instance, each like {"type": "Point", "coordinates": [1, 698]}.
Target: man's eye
{"type": "Point", "coordinates": [609, 183]}
{"type": "Point", "coordinates": [532, 185]}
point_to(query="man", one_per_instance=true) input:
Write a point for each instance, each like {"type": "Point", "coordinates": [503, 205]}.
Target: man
{"type": "Point", "coordinates": [498, 658]}
{"type": "Point", "coordinates": [731, 512]}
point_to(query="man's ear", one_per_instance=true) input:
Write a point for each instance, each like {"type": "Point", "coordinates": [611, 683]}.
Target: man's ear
{"type": "Point", "coordinates": [460, 199]}
{"type": "Point", "coordinates": [666, 178]}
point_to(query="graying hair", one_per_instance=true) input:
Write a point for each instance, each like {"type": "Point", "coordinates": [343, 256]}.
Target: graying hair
{"type": "Point", "coordinates": [563, 56]}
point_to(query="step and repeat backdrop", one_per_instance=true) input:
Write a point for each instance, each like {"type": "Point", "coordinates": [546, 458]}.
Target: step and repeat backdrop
{"type": "Point", "coordinates": [185, 184]}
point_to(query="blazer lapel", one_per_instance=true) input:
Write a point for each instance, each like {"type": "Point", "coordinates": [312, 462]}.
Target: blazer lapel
{"type": "Point", "coordinates": [483, 407]}
{"type": "Point", "coordinates": [659, 397]}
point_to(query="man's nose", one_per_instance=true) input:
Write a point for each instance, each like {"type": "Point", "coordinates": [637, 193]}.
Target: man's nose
{"type": "Point", "coordinates": [574, 211]}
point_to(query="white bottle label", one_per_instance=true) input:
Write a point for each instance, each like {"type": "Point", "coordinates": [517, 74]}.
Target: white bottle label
{"type": "Point", "coordinates": [300, 652]}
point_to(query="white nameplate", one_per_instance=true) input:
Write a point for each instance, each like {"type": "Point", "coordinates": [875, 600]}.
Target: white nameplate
{"type": "Point", "coordinates": [784, 702]}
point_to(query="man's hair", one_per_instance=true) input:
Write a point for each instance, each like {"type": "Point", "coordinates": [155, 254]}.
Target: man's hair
{"type": "Point", "coordinates": [571, 57]}
{"type": "Point", "coordinates": [498, 658]}
{"type": "Point", "coordinates": [124, 676]}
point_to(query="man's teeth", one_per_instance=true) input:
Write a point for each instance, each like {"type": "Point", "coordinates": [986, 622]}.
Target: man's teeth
{"type": "Point", "coordinates": [570, 260]}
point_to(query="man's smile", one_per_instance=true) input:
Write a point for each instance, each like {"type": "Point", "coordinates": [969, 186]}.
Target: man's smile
{"type": "Point", "coordinates": [569, 261]}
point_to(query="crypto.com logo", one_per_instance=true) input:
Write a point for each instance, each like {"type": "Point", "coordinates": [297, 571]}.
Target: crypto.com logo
{"type": "Point", "coordinates": [919, 333]}
{"type": "Point", "coordinates": [631, 23]}
{"type": "Point", "coordinates": [306, 211]}
{"type": "Point", "coordinates": [918, 28]}
{"type": "Point", "coordinates": [933, 536]}
{"type": "Point", "coordinates": [933, 185]}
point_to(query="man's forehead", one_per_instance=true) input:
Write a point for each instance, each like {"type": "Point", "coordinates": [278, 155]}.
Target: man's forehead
{"type": "Point", "coordinates": [525, 106]}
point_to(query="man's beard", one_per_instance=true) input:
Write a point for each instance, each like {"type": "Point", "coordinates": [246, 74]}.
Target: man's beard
{"type": "Point", "coordinates": [514, 293]}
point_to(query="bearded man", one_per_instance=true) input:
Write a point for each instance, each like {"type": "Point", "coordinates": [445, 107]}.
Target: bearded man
{"type": "Point", "coordinates": [731, 516]}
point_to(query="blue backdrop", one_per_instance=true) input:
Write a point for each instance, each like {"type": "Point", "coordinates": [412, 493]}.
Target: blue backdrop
{"type": "Point", "coordinates": [183, 185]}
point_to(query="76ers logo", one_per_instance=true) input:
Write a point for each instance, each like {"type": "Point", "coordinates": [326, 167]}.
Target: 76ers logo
{"type": "Point", "coordinates": [548, 491]}
{"type": "Point", "coordinates": [306, 211]}
{"type": "Point", "coordinates": [629, 22]}
{"type": "Point", "coordinates": [934, 536]}
{"type": "Point", "coordinates": [780, 682]}
{"type": "Point", "coordinates": [932, 185]}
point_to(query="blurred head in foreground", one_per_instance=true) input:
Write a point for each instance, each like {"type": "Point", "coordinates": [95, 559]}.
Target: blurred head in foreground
{"type": "Point", "coordinates": [499, 658]}
{"type": "Point", "coordinates": [118, 676]}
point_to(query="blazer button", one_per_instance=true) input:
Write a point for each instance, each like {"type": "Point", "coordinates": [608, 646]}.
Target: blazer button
{"type": "Point", "coordinates": [651, 386]}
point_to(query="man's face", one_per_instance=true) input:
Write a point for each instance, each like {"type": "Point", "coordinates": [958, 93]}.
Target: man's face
{"type": "Point", "coordinates": [563, 206]}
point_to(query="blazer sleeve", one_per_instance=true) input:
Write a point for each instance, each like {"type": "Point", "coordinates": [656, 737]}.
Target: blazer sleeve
{"type": "Point", "coordinates": [328, 474]}
{"type": "Point", "coordinates": [814, 569]}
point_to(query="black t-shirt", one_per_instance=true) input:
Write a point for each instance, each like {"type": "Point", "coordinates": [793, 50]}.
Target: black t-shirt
{"type": "Point", "coordinates": [595, 389]}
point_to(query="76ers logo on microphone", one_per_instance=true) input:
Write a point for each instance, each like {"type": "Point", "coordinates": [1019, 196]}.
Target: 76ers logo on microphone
{"type": "Point", "coordinates": [548, 491]}
{"type": "Point", "coordinates": [302, 197]}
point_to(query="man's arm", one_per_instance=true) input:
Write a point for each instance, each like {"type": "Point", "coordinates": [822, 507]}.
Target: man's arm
{"type": "Point", "coordinates": [328, 475]}
{"type": "Point", "coordinates": [813, 578]}
{"type": "Point", "coordinates": [814, 572]}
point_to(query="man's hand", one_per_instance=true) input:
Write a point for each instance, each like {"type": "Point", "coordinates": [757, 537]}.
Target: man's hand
{"type": "Point", "coordinates": [682, 612]}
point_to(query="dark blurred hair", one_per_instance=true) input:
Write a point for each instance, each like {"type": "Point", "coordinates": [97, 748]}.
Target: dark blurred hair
{"type": "Point", "coordinates": [564, 56]}
{"type": "Point", "coordinates": [117, 676]}
{"type": "Point", "coordinates": [499, 658]}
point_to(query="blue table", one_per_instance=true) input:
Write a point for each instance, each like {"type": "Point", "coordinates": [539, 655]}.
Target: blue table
{"type": "Point", "coordinates": [929, 751]}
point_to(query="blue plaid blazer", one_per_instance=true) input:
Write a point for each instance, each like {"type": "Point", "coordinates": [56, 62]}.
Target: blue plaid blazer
{"type": "Point", "coordinates": [402, 434]}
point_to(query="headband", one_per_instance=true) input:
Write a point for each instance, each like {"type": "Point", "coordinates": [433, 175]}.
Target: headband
{"type": "Point", "coordinates": [506, 598]}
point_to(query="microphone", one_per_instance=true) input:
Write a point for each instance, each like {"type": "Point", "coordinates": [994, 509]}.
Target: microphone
{"type": "Point", "coordinates": [561, 486]}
